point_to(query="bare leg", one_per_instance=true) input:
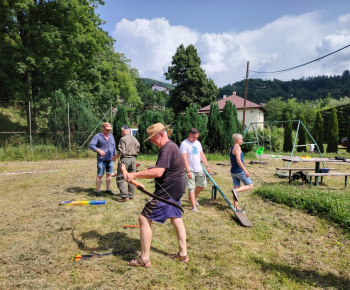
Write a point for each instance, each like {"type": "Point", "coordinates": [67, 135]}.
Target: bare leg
{"type": "Point", "coordinates": [241, 189]}
{"type": "Point", "coordinates": [180, 235]}
{"type": "Point", "coordinates": [235, 203]}
{"type": "Point", "coordinates": [145, 236]}
{"type": "Point", "coordinates": [244, 188]}
{"type": "Point", "coordinates": [197, 191]}
{"type": "Point", "coordinates": [192, 198]}
{"type": "Point", "coordinates": [98, 183]}
{"type": "Point", "coordinates": [108, 181]}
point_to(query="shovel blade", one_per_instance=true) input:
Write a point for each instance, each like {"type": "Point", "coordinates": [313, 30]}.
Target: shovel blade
{"type": "Point", "coordinates": [243, 220]}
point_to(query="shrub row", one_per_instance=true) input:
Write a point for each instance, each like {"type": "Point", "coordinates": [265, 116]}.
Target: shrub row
{"type": "Point", "coordinates": [334, 206]}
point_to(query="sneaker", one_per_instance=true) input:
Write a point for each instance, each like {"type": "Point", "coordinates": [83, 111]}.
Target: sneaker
{"type": "Point", "coordinates": [235, 194]}
{"type": "Point", "coordinates": [240, 210]}
{"type": "Point", "coordinates": [197, 203]}
{"type": "Point", "coordinates": [98, 193]}
{"type": "Point", "coordinates": [108, 191]}
{"type": "Point", "coordinates": [194, 209]}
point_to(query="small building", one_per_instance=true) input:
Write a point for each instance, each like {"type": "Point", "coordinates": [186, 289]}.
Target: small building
{"type": "Point", "coordinates": [158, 88]}
{"type": "Point", "coordinates": [253, 113]}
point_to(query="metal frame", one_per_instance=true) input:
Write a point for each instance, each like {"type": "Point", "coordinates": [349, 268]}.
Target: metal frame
{"type": "Point", "coordinates": [295, 138]}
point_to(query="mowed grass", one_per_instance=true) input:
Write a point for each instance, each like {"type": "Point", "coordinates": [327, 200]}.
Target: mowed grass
{"type": "Point", "coordinates": [286, 248]}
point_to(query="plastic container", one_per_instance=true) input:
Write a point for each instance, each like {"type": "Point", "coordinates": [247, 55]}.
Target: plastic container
{"type": "Point", "coordinates": [324, 170]}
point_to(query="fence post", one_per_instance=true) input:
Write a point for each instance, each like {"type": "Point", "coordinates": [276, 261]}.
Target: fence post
{"type": "Point", "coordinates": [68, 127]}
{"type": "Point", "coordinates": [30, 126]}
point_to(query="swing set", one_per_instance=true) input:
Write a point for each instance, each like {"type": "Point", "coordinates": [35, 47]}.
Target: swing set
{"type": "Point", "coordinates": [253, 126]}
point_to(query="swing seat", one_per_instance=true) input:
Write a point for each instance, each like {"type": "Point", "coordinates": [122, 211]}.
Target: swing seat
{"type": "Point", "coordinates": [275, 156]}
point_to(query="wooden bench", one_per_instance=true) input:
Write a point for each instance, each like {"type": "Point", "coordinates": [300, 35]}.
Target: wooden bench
{"type": "Point", "coordinates": [311, 174]}
{"type": "Point", "coordinates": [297, 169]}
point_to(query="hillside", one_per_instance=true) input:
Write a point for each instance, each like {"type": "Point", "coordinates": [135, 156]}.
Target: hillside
{"type": "Point", "coordinates": [313, 88]}
{"type": "Point", "coordinates": [150, 82]}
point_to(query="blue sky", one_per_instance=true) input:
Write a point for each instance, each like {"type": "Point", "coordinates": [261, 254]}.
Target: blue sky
{"type": "Point", "coordinates": [271, 35]}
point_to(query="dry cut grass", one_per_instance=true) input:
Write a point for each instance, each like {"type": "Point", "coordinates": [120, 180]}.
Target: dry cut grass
{"type": "Point", "coordinates": [285, 248]}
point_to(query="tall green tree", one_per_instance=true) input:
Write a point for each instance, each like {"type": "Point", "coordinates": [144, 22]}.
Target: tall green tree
{"type": "Point", "coordinates": [59, 45]}
{"type": "Point", "coordinates": [348, 147]}
{"type": "Point", "coordinates": [215, 129]}
{"type": "Point", "coordinates": [230, 125]}
{"type": "Point", "coordinates": [81, 121]}
{"type": "Point", "coordinates": [302, 135]}
{"type": "Point", "coordinates": [203, 129]}
{"type": "Point", "coordinates": [238, 123]}
{"type": "Point", "coordinates": [318, 131]}
{"type": "Point", "coordinates": [190, 119]}
{"type": "Point", "coordinates": [333, 131]}
{"type": "Point", "coordinates": [147, 119]}
{"type": "Point", "coordinates": [120, 119]}
{"type": "Point", "coordinates": [288, 139]}
{"type": "Point", "coordinates": [192, 84]}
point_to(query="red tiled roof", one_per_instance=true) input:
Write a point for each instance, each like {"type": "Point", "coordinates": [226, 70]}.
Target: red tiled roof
{"type": "Point", "coordinates": [236, 100]}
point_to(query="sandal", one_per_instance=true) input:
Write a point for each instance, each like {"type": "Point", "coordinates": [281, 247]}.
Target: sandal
{"type": "Point", "coordinates": [184, 259]}
{"type": "Point", "coordinates": [139, 263]}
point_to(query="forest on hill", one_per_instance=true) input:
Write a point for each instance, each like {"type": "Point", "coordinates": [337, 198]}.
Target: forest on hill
{"type": "Point", "coordinates": [305, 89]}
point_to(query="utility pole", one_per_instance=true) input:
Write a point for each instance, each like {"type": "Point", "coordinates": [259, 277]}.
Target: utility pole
{"type": "Point", "coordinates": [245, 94]}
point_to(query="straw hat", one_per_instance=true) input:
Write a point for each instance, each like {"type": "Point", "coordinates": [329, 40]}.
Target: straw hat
{"type": "Point", "coordinates": [155, 129]}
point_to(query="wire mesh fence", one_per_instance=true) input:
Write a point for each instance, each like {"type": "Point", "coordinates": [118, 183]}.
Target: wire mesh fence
{"type": "Point", "coordinates": [65, 126]}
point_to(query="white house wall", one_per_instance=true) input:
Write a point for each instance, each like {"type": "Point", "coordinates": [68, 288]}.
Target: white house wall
{"type": "Point", "coordinates": [252, 115]}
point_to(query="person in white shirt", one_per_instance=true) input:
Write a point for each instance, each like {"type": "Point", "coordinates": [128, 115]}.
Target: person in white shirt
{"type": "Point", "coordinates": [192, 153]}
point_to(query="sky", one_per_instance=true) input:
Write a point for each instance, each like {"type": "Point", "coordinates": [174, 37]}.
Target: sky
{"type": "Point", "coordinates": [271, 35]}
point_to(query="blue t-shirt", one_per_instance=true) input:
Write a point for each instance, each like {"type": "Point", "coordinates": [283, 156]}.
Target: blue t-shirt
{"type": "Point", "coordinates": [234, 165]}
{"type": "Point", "coordinates": [108, 147]}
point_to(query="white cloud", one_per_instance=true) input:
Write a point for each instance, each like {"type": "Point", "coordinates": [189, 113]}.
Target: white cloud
{"type": "Point", "coordinates": [286, 42]}
{"type": "Point", "coordinates": [150, 44]}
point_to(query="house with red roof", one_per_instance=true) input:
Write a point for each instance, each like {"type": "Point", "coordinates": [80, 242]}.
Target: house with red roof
{"type": "Point", "coordinates": [253, 112]}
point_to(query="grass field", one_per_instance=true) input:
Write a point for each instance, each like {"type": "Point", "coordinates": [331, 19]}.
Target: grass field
{"type": "Point", "coordinates": [286, 248]}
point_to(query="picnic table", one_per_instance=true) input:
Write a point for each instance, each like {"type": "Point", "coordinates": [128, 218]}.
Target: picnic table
{"type": "Point", "coordinates": [317, 162]}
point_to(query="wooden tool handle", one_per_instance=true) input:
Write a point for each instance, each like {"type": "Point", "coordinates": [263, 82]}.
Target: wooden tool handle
{"type": "Point", "coordinates": [134, 182]}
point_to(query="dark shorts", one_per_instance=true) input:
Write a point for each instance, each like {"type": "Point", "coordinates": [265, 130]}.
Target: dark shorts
{"type": "Point", "coordinates": [158, 211]}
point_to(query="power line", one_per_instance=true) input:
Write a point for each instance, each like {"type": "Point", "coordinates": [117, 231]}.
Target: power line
{"type": "Point", "coordinates": [283, 70]}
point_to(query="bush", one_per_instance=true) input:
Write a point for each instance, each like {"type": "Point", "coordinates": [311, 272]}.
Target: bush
{"type": "Point", "coordinates": [334, 206]}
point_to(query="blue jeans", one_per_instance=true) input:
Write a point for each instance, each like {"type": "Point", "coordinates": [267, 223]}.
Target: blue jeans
{"type": "Point", "coordinates": [104, 165]}
{"type": "Point", "coordinates": [240, 176]}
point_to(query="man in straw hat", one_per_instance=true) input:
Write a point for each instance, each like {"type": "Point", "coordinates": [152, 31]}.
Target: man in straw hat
{"type": "Point", "coordinates": [104, 145]}
{"type": "Point", "coordinates": [168, 174]}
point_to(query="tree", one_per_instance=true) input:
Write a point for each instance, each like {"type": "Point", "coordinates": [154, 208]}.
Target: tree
{"type": "Point", "coordinates": [229, 124]}
{"type": "Point", "coordinates": [147, 119]}
{"type": "Point", "coordinates": [333, 131]}
{"type": "Point", "coordinates": [81, 121]}
{"type": "Point", "coordinates": [203, 129]}
{"type": "Point", "coordinates": [288, 140]}
{"type": "Point", "coordinates": [302, 135]}
{"type": "Point", "coordinates": [215, 129]}
{"type": "Point", "coordinates": [121, 118]}
{"type": "Point", "coordinates": [318, 131]}
{"type": "Point", "coordinates": [59, 45]}
{"type": "Point", "coordinates": [348, 147]}
{"type": "Point", "coordinates": [192, 85]}
{"type": "Point", "coordinates": [185, 122]}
